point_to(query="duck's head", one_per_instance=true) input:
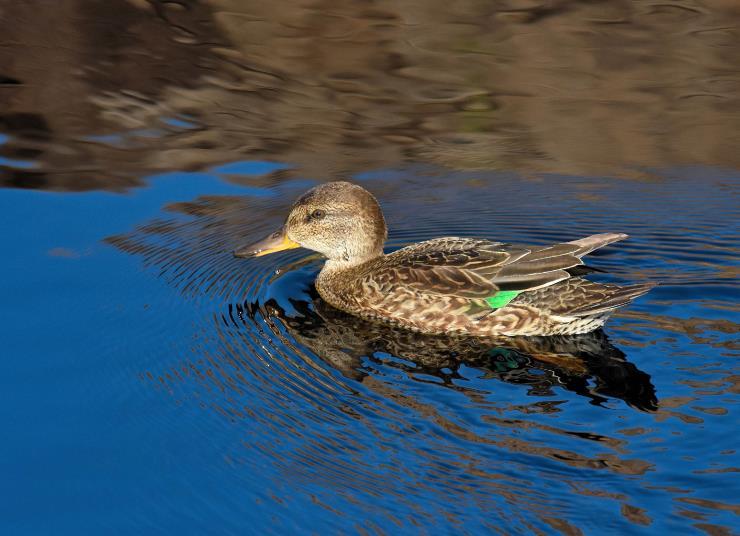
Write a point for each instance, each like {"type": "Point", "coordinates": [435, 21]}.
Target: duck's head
{"type": "Point", "coordinates": [340, 220]}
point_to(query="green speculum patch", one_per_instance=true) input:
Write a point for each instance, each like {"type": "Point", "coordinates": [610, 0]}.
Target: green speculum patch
{"type": "Point", "coordinates": [501, 298]}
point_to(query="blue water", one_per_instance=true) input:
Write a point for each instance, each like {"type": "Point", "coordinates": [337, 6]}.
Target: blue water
{"type": "Point", "coordinates": [152, 384]}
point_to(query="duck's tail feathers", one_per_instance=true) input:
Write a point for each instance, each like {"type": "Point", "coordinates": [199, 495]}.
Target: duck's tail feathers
{"type": "Point", "coordinates": [590, 243]}
{"type": "Point", "coordinates": [619, 298]}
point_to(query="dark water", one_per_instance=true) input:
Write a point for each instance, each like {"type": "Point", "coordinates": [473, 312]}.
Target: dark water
{"type": "Point", "coordinates": [153, 384]}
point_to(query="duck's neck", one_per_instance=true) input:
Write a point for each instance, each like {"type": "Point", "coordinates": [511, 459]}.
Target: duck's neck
{"type": "Point", "coordinates": [337, 270]}
{"type": "Point", "coordinates": [339, 265]}
{"type": "Point", "coordinates": [334, 282]}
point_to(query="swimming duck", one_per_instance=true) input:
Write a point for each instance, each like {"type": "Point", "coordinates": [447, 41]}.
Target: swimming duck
{"type": "Point", "coordinates": [450, 285]}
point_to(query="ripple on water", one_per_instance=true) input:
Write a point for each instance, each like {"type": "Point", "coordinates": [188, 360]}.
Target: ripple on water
{"type": "Point", "coordinates": [444, 429]}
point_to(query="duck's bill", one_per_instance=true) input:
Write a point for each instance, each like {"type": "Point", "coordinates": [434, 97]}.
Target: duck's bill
{"type": "Point", "coordinates": [277, 241]}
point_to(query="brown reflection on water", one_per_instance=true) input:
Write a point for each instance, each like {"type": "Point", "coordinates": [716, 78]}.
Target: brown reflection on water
{"type": "Point", "coordinates": [95, 95]}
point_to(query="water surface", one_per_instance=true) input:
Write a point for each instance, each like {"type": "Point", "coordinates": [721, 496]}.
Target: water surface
{"type": "Point", "coordinates": [153, 384]}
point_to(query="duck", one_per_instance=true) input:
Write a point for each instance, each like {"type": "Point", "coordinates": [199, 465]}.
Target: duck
{"type": "Point", "coordinates": [449, 285]}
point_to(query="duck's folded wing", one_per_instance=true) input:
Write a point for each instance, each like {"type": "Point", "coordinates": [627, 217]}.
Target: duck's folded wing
{"type": "Point", "coordinates": [442, 280]}
{"type": "Point", "coordinates": [544, 266]}
{"type": "Point", "coordinates": [475, 269]}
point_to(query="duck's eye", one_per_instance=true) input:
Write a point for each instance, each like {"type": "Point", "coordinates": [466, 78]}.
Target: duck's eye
{"type": "Point", "coordinates": [317, 214]}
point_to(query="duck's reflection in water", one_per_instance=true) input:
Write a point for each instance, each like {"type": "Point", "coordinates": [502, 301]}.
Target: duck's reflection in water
{"type": "Point", "coordinates": [589, 365]}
